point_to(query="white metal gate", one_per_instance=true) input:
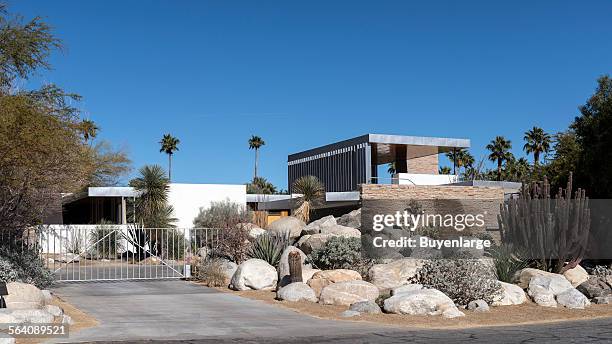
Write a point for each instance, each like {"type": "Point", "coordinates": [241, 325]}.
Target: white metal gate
{"type": "Point", "coordinates": [122, 252]}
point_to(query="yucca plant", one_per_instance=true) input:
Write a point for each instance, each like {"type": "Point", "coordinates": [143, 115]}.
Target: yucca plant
{"type": "Point", "coordinates": [269, 247]}
{"type": "Point", "coordinates": [312, 192]}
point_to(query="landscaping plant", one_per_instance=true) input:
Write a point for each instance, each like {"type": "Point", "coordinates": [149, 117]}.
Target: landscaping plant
{"type": "Point", "coordinates": [211, 272]}
{"type": "Point", "coordinates": [507, 262]}
{"type": "Point", "coordinates": [341, 253]}
{"type": "Point", "coordinates": [269, 247]}
{"type": "Point", "coordinates": [23, 264]}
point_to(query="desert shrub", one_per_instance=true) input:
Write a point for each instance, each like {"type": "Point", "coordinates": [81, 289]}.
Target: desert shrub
{"type": "Point", "coordinates": [27, 266]}
{"type": "Point", "coordinates": [341, 253]}
{"type": "Point", "coordinates": [211, 272]}
{"type": "Point", "coordinates": [8, 273]}
{"type": "Point", "coordinates": [106, 241]}
{"type": "Point", "coordinates": [223, 214]}
{"type": "Point", "coordinates": [233, 243]}
{"type": "Point", "coordinates": [269, 247]}
{"type": "Point", "coordinates": [601, 271]}
{"type": "Point", "coordinates": [76, 242]}
{"type": "Point", "coordinates": [463, 280]}
{"type": "Point", "coordinates": [507, 262]}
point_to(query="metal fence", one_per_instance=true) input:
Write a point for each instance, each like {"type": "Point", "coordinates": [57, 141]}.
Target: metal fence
{"type": "Point", "coordinates": [116, 252]}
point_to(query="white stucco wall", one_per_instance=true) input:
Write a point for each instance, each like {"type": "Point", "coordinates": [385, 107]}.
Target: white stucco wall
{"type": "Point", "coordinates": [187, 199]}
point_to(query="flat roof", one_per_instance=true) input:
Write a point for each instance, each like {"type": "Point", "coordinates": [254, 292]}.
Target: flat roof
{"type": "Point", "coordinates": [384, 144]}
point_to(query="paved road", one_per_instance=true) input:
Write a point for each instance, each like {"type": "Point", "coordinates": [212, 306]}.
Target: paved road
{"type": "Point", "coordinates": [181, 312]}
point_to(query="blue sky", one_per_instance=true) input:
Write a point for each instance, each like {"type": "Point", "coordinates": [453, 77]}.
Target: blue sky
{"type": "Point", "coordinates": [303, 74]}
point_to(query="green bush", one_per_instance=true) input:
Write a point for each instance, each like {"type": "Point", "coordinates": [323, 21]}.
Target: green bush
{"type": "Point", "coordinates": [269, 247]}
{"type": "Point", "coordinates": [463, 280]}
{"type": "Point", "coordinates": [26, 266]}
{"type": "Point", "coordinates": [212, 273]}
{"type": "Point", "coordinates": [341, 253]}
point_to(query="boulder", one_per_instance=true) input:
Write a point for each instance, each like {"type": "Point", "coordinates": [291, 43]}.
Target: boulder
{"type": "Point", "coordinates": [542, 296]}
{"type": "Point", "coordinates": [343, 231]}
{"type": "Point", "coordinates": [573, 299]}
{"type": "Point", "coordinates": [595, 287]}
{"type": "Point", "coordinates": [349, 314]}
{"type": "Point", "coordinates": [35, 316]}
{"type": "Point", "coordinates": [296, 292]}
{"type": "Point", "coordinates": [352, 219]}
{"type": "Point", "coordinates": [54, 310]}
{"type": "Point", "coordinates": [6, 339]}
{"type": "Point", "coordinates": [229, 268]}
{"type": "Point", "coordinates": [322, 279]}
{"type": "Point", "coordinates": [68, 258]}
{"type": "Point", "coordinates": [308, 272]}
{"type": "Point", "coordinates": [24, 296]}
{"type": "Point", "coordinates": [47, 295]}
{"type": "Point", "coordinates": [406, 288]}
{"type": "Point", "coordinates": [348, 292]}
{"type": "Point", "coordinates": [576, 276]}
{"type": "Point", "coordinates": [66, 319]}
{"type": "Point", "coordinates": [309, 243]}
{"type": "Point", "coordinates": [369, 307]}
{"type": "Point", "coordinates": [394, 274]}
{"type": "Point", "coordinates": [478, 306]}
{"type": "Point", "coordinates": [608, 279]}
{"type": "Point", "coordinates": [511, 294]}
{"type": "Point", "coordinates": [283, 264]}
{"type": "Point", "coordinates": [255, 232]}
{"type": "Point", "coordinates": [524, 276]}
{"type": "Point", "coordinates": [288, 224]}
{"type": "Point", "coordinates": [554, 283]}
{"type": "Point", "coordinates": [422, 302]}
{"type": "Point", "coordinates": [600, 300]}
{"type": "Point", "coordinates": [316, 226]}
{"type": "Point", "coordinates": [254, 274]}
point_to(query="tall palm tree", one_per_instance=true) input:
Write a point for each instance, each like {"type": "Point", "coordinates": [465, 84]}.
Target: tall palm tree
{"type": "Point", "coordinates": [500, 151]}
{"type": "Point", "coordinates": [460, 158]}
{"type": "Point", "coordinates": [255, 142]}
{"type": "Point", "coordinates": [169, 144]}
{"type": "Point", "coordinates": [89, 129]}
{"type": "Point", "coordinates": [536, 141]}
{"type": "Point", "coordinates": [391, 168]}
{"type": "Point", "coordinates": [467, 159]}
{"type": "Point", "coordinates": [444, 170]}
{"type": "Point", "coordinates": [311, 191]}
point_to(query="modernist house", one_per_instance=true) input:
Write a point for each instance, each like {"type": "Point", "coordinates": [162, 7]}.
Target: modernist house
{"type": "Point", "coordinates": [348, 167]}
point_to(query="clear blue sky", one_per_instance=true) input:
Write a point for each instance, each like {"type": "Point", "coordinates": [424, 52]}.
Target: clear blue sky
{"type": "Point", "coordinates": [302, 74]}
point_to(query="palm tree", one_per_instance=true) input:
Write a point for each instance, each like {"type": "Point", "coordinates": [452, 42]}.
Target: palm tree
{"type": "Point", "coordinates": [500, 151]}
{"type": "Point", "coordinates": [391, 168]}
{"type": "Point", "coordinates": [255, 142]}
{"type": "Point", "coordinates": [467, 160]}
{"type": "Point", "coordinates": [460, 158]}
{"type": "Point", "coordinates": [89, 129]}
{"type": "Point", "coordinates": [536, 142]}
{"type": "Point", "coordinates": [169, 144]}
{"type": "Point", "coordinates": [152, 210]}
{"type": "Point", "coordinates": [311, 191]}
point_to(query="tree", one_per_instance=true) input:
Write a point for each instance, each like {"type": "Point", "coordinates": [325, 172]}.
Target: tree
{"type": "Point", "coordinates": [593, 129]}
{"type": "Point", "coordinates": [89, 129]}
{"type": "Point", "coordinates": [460, 158]}
{"type": "Point", "coordinates": [256, 142]}
{"type": "Point", "coordinates": [391, 168]}
{"type": "Point", "coordinates": [536, 141]}
{"type": "Point", "coordinates": [311, 193]}
{"type": "Point", "coordinates": [152, 208]}
{"type": "Point", "coordinates": [444, 170]}
{"type": "Point", "coordinates": [500, 152]}
{"type": "Point", "coordinates": [564, 160]}
{"type": "Point", "coordinates": [260, 185]}
{"type": "Point", "coordinates": [109, 165]}
{"type": "Point", "coordinates": [169, 144]}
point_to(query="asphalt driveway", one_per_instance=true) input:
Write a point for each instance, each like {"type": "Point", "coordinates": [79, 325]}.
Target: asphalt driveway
{"type": "Point", "coordinates": [182, 312]}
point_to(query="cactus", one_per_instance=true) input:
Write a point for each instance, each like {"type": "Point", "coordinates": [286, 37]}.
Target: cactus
{"type": "Point", "coordinates": [555, 230]}
{"type": "Point", "coordinates": [295, 267]}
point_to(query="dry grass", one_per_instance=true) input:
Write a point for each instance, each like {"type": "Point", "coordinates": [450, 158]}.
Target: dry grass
{"type": "Point", "coordinates": [528, 313]}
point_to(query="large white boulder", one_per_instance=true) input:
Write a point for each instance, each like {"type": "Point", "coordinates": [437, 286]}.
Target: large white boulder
{"type": "Point", "coordinates": [572, 298]}
{"type": "Point", "coordinates": [554, 283]}
{"type": "Point", "coordinates": [322, 279]}
{"type": "Point", "coordinates": [349, 292]}
{"type": "Point", "coordinates": [406, 288]}
{"type": "Point", "coordinates": [523, 277]}
{"type": "Point", "coordinates": [511, 294]}
{"type": "Point", "coordinates": [422, 302]}
{"type": "Point", "coordinates": [298, 291]}
{"type": "Point", "coordinates": [288, 224]}
{"type": "Point", "coordinates": [394, 274]}
{"type": "Point", "coordinates": [343, 231]}
{"type": "Point", "coordinates": [315, 227]}
{"type": "Point", "coordinates": [24, 296]}
{"type": "Point", "coordinates": [256, 232]}
{"type": "Point", "coordinates": [254, 274]}
{"type": "Point", "coordinates": [576, 276]}
{"type": "Point", "coordinates": [542, 296]}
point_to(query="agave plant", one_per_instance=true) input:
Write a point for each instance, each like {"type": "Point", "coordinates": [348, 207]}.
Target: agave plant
{"type": "Point", "coordinates": [269, 247]}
